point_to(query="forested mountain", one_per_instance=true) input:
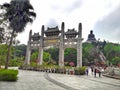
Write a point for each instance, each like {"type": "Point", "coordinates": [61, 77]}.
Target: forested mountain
{"type": "Point", "coordinates": [90, 54]}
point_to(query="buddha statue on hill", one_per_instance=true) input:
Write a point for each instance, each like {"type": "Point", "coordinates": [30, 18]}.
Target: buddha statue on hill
{"type": "Point", "coordinates": [91, 37]}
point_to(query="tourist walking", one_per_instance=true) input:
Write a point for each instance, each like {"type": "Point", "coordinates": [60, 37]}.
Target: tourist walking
{"type": "Point", "coordinates": [87, 71]}
{"type": "Point", "coordinates": [97, 70]}
{"type": "Point", "coordinates": [92, 69]}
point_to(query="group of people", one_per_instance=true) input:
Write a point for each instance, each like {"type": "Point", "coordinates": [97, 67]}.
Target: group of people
{"type": "Point", "coordinates": [94, 70]}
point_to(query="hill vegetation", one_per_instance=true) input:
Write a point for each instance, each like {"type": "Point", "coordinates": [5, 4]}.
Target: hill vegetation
{"type": "Point", "coordinates": [90, 54]}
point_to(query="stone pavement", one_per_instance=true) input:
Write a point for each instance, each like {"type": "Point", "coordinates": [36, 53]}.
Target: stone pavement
{"type": "Point", "coordinates": [35, 80]}
{"type": "Point", "coordinates": [30, 80]}
{"type": "Point", "coordinates": [72, 82]}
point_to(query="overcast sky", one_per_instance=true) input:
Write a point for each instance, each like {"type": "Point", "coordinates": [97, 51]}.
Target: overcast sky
{"type": "Point", "coordinates": [101, 16]}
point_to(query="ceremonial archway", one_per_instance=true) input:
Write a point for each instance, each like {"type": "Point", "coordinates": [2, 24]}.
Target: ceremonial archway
{"type": "Point", "coordinates": [55, 38]}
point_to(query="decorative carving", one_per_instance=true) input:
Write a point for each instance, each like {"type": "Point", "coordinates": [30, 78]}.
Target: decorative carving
{"type": "Point", "coordinates": [71, 33]}
{"type": "Point", "coordinates": [52, 32]}
{"type": "Point", "coordinates": [35, 37]}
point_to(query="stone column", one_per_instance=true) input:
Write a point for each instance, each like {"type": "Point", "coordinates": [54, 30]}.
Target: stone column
{"type": "Point", "coordinates": [28, 55]}
{"type": "Point", "coordinates": [79, 46]}
{"type": "Point", "coordinates": [61, 47]}
{"type": "Point", "coordinates": [28, 51]}
{"type": "Point", "coordinates": [40, 55]}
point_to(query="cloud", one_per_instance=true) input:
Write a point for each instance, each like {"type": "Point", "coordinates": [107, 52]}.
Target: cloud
{"type": "Point", "coordinates": [109, 26]}
{"type": "Point", "coordinates": [52, 23]}
{"type": "Point", "coordinates": [73, 6]}
{"type": "Point", "coordinates": [67, 6]}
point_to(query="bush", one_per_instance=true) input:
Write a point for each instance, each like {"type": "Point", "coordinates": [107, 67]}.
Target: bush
{"type": "Point", "coordinates": [14, 62]}
{"type": "Point", "coordinates": [8, 75]}
{"type": "Point", "coordinates": [33, 64]}
{"type": "Point", "coordinates": [80, 70]}
{"type": "Point", "coordinates": [116, 61]}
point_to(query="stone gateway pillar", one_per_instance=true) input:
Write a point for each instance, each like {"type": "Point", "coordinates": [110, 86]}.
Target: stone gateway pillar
{"type": "Point", "coordinates": [79, 46]}
{"type": "Point", "coordinates": [27, 61]}
{"type": "Point", "coordinates": [28, 51]}
{"type": "Point", "coordinates": [40, 54]}
{"type": "Point", "coordinates": [61, 46]}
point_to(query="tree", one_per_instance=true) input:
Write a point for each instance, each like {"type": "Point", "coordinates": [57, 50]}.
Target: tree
{"type": "Point", "coordinates": [46, 57]}
{"type": "Point", "coordinates": [3, 51]}
{"type": "Point", "coordinates": [54, 52]}
{"type": "Point", "coordinates": [19, 13]}
{"type": "Point", "coordinates": [70, 55]}
{"type": "Point", "coordinates": [20, 50]}
{"type": "Point", "coordinates": [2, 24]}
{"type": "Point", "coordinates": [34, 56]}
{"type": "Point", "coordinates": [116, 61]}
{"type": "Point", "coordinates": [112, 50]}
{"type": "Point", "coordinates": [88, 53]}
{"type": "Point", "coordinates": [1, 35]}
{"type": "Point", "coordinates": [5, 31]}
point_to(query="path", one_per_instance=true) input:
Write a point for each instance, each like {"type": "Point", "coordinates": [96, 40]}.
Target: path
{"type": "Point", "coordinates": [30, 80]}
{"type": "Point", "coordinates": [86, 82]}
{"type": "Point", "coordinates": [34, 80]}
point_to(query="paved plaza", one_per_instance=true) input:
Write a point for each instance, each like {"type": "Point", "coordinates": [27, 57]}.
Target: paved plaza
{"type": "Point", "coordinates": [86, 82]}
{"type": "Point", "coordinates": [34, 80]}
{"type": "Point", "coordinates": [30, 80]}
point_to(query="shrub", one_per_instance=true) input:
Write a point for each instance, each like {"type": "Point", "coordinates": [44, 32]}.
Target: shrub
{"type": "Point", "coordinates": [8, 75]}
{"type": "Point", "coordinates": [80, 70]}
{"type": "Point", "coordinates": [14, 62]}
{"type": "Point", "coordinates": [33, 64]}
